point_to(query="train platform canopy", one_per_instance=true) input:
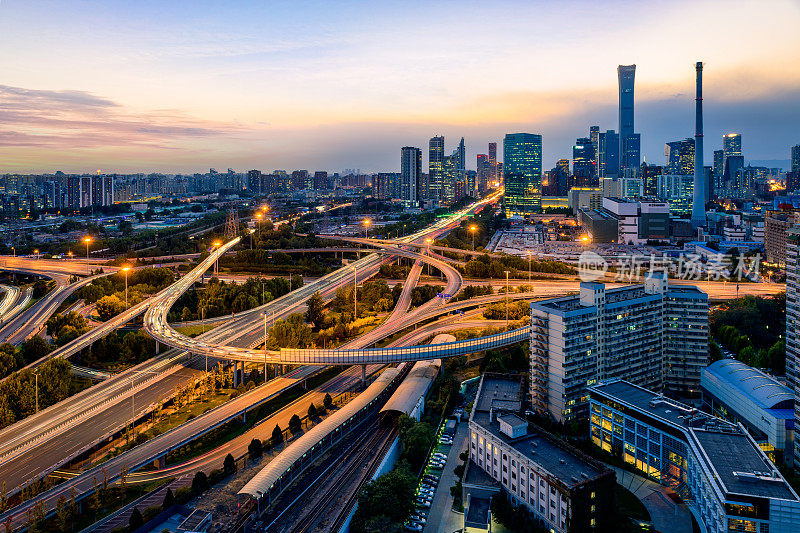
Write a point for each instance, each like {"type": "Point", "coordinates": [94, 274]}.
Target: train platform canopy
{"type": "Point", "coordinates": [416, 385]}
{"type": "Point", "coordinates": [275, 469]}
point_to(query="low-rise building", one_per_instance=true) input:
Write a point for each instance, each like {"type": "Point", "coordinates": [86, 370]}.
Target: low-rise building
{"type": "Point", "coordinates": [715, 466]}
{"type": "Point", "coordinates": [743, 394]}
{"type": "Point", "coordinates": [565, 489]}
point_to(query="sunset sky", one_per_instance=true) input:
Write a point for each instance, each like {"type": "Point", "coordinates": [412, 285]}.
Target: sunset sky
{"type": "Point", "coordinates": [180, 86]}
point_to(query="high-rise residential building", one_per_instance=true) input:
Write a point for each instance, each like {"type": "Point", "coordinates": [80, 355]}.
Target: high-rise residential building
{"type": "Point", "coordinates": [254, 182]}
{"type": "Point", "coordinates": [631, 155]}
{"type": "Point", "coordinates": [300, 180]}
{"type": "Point", "coordinates": [454, 176]}
{"type": "Point", "coordinates": [594, 137]}
{"type": "Point", "coordinates": [435, 168]}
{"type": "Point", "coordinates": [793, 323]}
{"type": "Point", "coordinates": [583, 163]}
{"type": "Point", "coordinates": [715, 466]}
{"type": "Point", "coordinates": [793, 176]}
{"type": "Point", "coordinates": [320, 180]}
{"type": "Point", "coordinates": [776, 230]}
{"type": "Point", "coordinates": [410, 175]}
{"type": "Point", "coordinates": [522, 173]}
{"type": "Point", "coordinates": [654, 335]}
{"type": "Point", "coordinates": [629, 142]}
{"type": "Point", "coordinates": [563, 488]}
{"type": "Point", "coordinates": [680, 157]}
{"type": "Point", "coordinates": [493, 162]}
{"type": "Point", "coordinates": [796, 158]}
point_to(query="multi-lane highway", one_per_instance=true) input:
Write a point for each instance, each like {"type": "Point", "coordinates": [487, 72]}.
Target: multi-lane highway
{"type": "Point", "coordinates": [34, 443]}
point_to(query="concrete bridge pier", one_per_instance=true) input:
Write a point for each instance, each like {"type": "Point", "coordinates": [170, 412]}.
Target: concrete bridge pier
{"type": "Point", "coordinates": [364, 376]}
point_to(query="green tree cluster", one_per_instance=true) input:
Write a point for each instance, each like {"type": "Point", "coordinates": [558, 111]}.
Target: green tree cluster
{"type": "Point", "coordinates": [18, 393]}
{"type": "Point", "coordinates": [385, 503]}
{"type": "Point", "coordinates": [488, 267]}
{"type": "Point", "coordinates": [66, 328]}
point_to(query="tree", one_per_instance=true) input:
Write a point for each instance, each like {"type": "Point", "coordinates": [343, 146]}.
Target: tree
{"type": "Point", "coordinates": [35, 348]}
{"type": "Point", "coordinates": [255, 449]}
{"type": "Point", "coordinates": [229, 464]}
{"type": "Point", "coordinates": [169, 500]}
{"type": "Point", "coordinates": [7, 359]}
{"type": "Point", "coordinates": [312, 412]}
{"type": "Point", "coordinates": [277, 435]}
{"type": "Point", "coordinates": [327, 401]}
{"type": "Point", "coordinates": [199, 482]}
{"type": "Point", "coordinates": [390, 496]}
{"type": "Point", "coordinates": [314, 312]}
{"type": "Point", "coordinates": [108, 307]}
{"type": "Point", "coordinates": [136, 520]}
{"type": "Point", "coordinates": [294, 423]}
{"type": "Point", "coordinates": [186, 314]}
{"type": "Point", "coordinates": [416, 438]}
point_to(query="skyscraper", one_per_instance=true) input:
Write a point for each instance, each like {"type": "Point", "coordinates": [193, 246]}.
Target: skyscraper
{"type": "Point", "coordinates": [435, 168]}
{"type": "Point", "coordinates": [700, 189]}
{"type": "Point", "coordinates": [583, 162]}
{"type": "Point", "coordinates": [484, 172]}
{"type": "Point", "coordinates": [608, 144]}
{"type": "Point", "coordinates": [410, 175]}
{"type": "Point", "coordinates": [680, 157]}
{"type": "Point", "coordinates": [254, 182]}
{"type": "Point", "coordinates": [793, 176]}
{"type": "Point", "coordinates": [594, 137]}
{"type": "Point", "coordinates": [731, 144]}
{"type": "Point", "coordinates": [796, 158]}
{"type": "Point", "coordinates": [522, 172]}
{"type": "Point", "coordinates": [629, 149]}
{"type": "Point", "coordinates": [495, 176]}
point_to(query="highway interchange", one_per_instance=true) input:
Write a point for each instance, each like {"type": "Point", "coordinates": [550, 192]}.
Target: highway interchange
{"type": "Point", "coordinates": [41, 443]}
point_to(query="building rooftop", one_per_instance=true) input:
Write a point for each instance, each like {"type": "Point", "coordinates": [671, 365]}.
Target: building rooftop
{"type": "Point", "coordinates": [764, 390]}
{"type": "Point", "coordinates": [740, 466]}
{"type": "Point", "coordinates": [557, 458]}
{"type": "Point", "coordinates": [500, 392]}
{"type": "Point", "coordinates": [739, 463]}
{"type": "Point", "coordinates": [478, 513]}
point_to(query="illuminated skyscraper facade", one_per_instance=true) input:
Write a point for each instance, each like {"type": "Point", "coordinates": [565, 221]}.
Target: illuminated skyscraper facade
{"type": "Point", "coordinates": [522, 172]}
{"type": "Point", "coordinates": [629, 142]}
{"type": "Point", "coordinates": [435, 168]}
{"type": "Point", "coordinates": [680, 157]}
{"type": "Point", "coordinates": [583, 158]}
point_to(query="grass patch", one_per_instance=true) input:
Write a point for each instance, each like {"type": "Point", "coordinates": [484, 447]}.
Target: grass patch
{"type": "Point", "coordinates": [195, 330]}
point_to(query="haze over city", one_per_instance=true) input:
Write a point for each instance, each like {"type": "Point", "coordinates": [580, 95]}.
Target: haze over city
{"type": "Point", "coordinates": [183, 86]}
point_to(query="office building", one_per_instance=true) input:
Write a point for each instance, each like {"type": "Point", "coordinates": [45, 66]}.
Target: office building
{"type": "Point", "coordinates": [583, 166]}
{"type": "Point", "coordinates": [435, 169]}
{"type": "Point", "coordinates": [386, 186]}
{"type": "Point", "coordinates": [594, 137]}
{"type": "Point", "coordinates": [522, 173]}
{"type": "Point", "coordinates": [764, 406]}
{"type": "Point", "coordinates": [629, 142]}
{"type": "Point", "coordinates": [716, 468]}
{"type": "Point", "coordinates": [678, 190]}
{"type": "Point", "coordinates": [719, 171]}
{"type": "Point", "coordinates": [600, 225]}
{"type": "Point", "coordinates": [559, 178]}
{"type": "Point", "coordinates": [680, 157]}
{"type": "Point", "coordinates": [793, 324]}
{"type": "Point", "coordinates": [623, 187]}
{"type": "Point", "coordinates": [731, 145]}
{"type": "Point", "coordinates": [566, 490]}
{"type": "Point", "coordinates": [585, 197]}
{"type": "Point", "coordinates": [654, 334]}
{"type": "Point", "coordinates": [650, 174]}
{"type": "Point", "coordinates": [608, 158]}
{"type": "Point", "coordinates": [410, 175]}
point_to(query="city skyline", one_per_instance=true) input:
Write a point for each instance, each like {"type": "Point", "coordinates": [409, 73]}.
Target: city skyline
{"type": "Point", "coordinates": [186, 87]}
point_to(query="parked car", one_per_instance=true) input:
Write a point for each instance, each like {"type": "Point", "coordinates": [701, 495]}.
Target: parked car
{"type": "Point", "coordinates": [413, 527]}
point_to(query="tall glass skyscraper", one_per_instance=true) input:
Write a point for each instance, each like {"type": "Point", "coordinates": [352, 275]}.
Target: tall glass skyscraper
{"type": "Point", "coordinates": [435, 168]}
{"type": "Point", "coordinates": [629, 149]}
{"type": "Point", "coordinates": [732, 144]}
{"type": "Point", "coordinates": [680, 157]}
{"type": "Point", "coordinates": [522, 171]}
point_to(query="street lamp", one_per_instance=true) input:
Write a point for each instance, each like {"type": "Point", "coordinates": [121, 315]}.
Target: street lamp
{"type": "Point", "coordinates": [529, 267]}
{"type": "Point", "coordinates": [37, 254]}
{"type": "Point", "coordinates": [125, 269]}
{"type": "Point", "coordinates": [87, 240]}
{"type": "Point", "coordinates": [216, 263]}
{"type": "Point", "coordinates": [264, 314]}
{"type": "Point", "coordinates": [429, 241]}
{"type": "Point", "coordinates": [355, 292]}
{"type": "Point", "coordinates": [506, 297]}
{"type": "Point", "coordinates": [366, 226]}
{"type": "Point", "coordinates": [473, 229]}
{"type": "Point", "coordinates": [36, 374]}
{"type": "Point", "coordinates": [259, 216]}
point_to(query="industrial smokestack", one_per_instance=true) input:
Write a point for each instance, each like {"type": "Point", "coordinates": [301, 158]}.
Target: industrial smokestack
{"type": "Point", "coordinates": [700, 185]}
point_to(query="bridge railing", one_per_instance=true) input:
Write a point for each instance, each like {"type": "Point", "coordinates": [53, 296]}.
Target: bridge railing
{"type": "Point", "coordinates": [404, 353]}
